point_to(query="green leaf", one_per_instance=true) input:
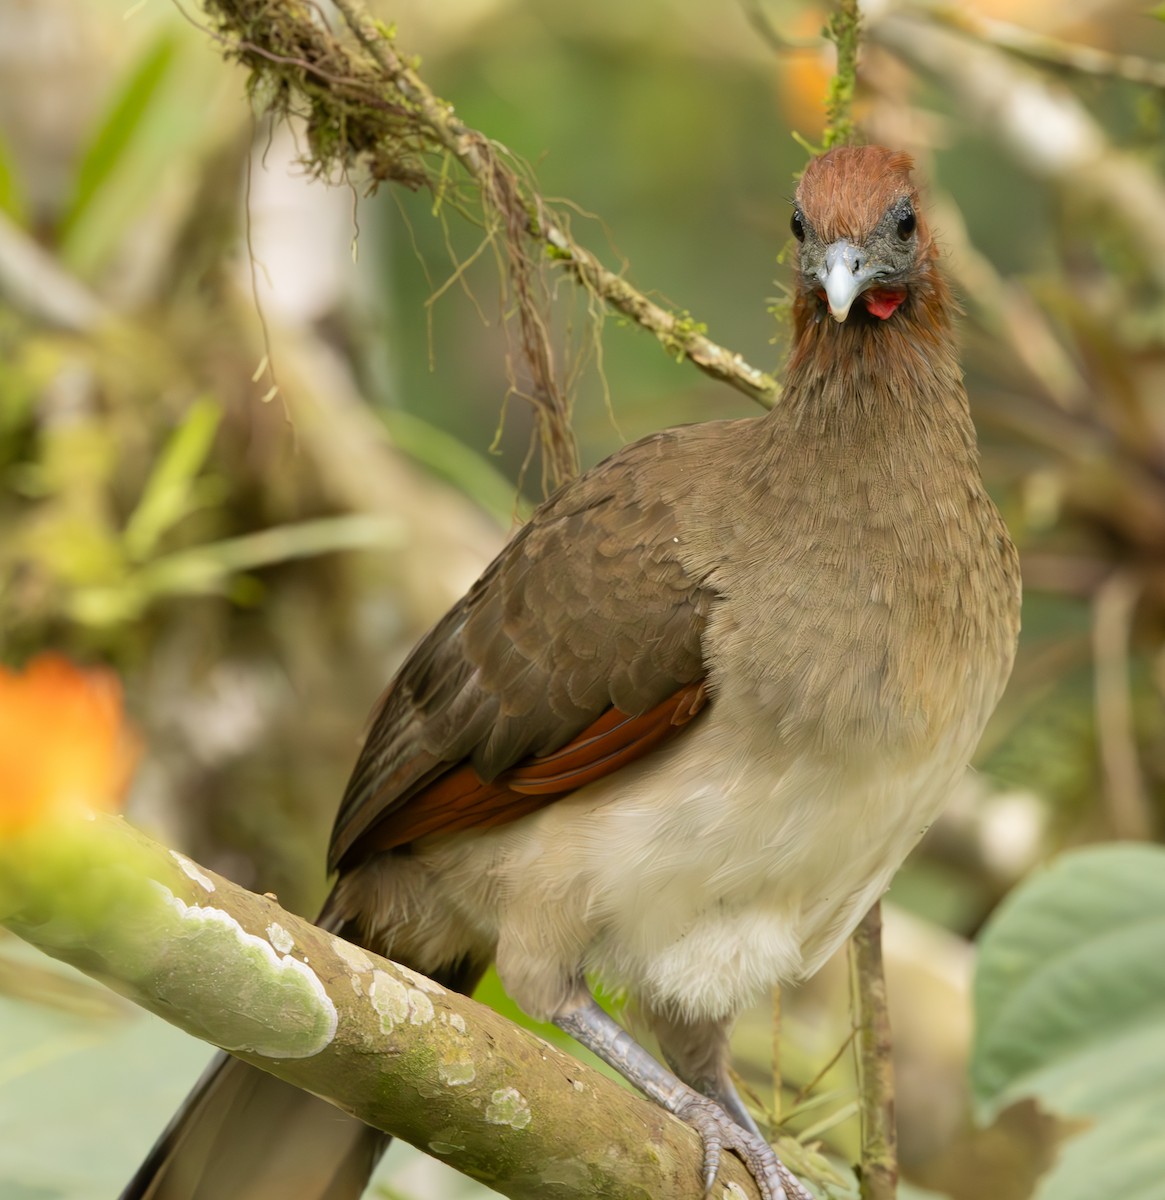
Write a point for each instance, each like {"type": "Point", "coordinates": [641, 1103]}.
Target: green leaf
{"type": "Point", "coordinates": [1119, 1158]}
{"type": "Point", "coordinates": [166, 119]}
{"type": "Point", "coordinates": [1070, 1010]}
{"type": "Point", "coordinates": [215, 568]}
{"type": "Point", "coordinates": [117, 131]}
{"type": "Point", "coordinates": [205, 570]}
{"type": "Point", "coordinates": [169, 494]}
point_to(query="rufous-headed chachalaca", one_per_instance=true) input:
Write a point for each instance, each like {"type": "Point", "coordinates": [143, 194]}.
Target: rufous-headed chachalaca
{"type": "Point", "coordinates": [683, 730]}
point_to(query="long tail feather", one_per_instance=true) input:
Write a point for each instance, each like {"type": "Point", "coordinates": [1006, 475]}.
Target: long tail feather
{"type": "Point", "coordinates": [244, 1135]}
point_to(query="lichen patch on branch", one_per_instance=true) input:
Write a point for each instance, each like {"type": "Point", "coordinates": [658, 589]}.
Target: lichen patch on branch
{"type": "Point", "coordinates": [420, 981]}
{"type": "Point", "coordinates": [420, 1007]}
{"type": "Point", "coordinates": [507, 1106]}
{"type": "Point", "coordinates": [457, 1073]}
{"type": "Point", "coordinates": [353, 956]}
{"type": "Point", "coordinates": [280, 938]}
{"type": "Point", "coordinates": [390, 998]}
{"type": "Point", "coordinates": [241, 1010]}
{"type": "Point", "coordinates": [193, 871]}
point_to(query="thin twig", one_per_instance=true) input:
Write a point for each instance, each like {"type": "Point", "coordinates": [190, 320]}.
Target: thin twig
{"type": "Point", "coordinates": [1124, 790]}
{"type": "Point", "coordinates": [799, 1098]}
{"type": "Point", "coordinates": [777, 1082]}
{"type": "Point", "coordinates": [1009, 312]}
{"type": "Point", "coordinates": [832, 1121]}
{"type": "Point", "coordinates": [1019, 107]}
{"type": "Point", "coordinates": [879, 1161]}
{"type": "Point", "coordinates": [844, 30]}
{"type": "Point", "coordinates": [503, 193]}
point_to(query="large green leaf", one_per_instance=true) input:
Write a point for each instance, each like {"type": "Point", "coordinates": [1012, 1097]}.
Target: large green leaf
{"type": "Point", "coordinates": [1070, 1010]}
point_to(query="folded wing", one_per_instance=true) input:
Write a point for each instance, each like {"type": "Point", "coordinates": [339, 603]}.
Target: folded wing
{"type": "Point", "coordinates": [576, 652]}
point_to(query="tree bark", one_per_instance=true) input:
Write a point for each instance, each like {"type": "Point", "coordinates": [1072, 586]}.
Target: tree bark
{"type": "Point", "coordinates": [425, 1064]}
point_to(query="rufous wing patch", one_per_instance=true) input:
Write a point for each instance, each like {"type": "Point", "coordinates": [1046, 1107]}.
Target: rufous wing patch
{"type": "Point", "coordinates": [460, 800]}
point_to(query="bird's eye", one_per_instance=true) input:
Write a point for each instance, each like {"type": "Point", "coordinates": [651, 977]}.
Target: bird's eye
{"type": "Point", "coordinates": [797, 225]}
{"type": "Point", "coordinates": [906, 224]}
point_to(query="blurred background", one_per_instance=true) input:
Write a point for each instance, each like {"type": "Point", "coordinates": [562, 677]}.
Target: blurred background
{"type": "Point", "coordinates": [256, 434]}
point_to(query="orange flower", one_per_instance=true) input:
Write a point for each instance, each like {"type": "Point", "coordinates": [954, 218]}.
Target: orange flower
{"type": "Point", "coordinates": [64, 743]}
{"type": "Point", "coordinates": [804, 75]}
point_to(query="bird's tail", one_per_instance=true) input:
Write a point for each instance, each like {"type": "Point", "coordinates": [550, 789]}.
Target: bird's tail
{"type": "Point", "coordinates": [244, 1135]}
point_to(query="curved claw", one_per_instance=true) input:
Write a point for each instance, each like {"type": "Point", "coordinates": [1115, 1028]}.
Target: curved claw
{"type": "Point", "coordinates": [719, 1131]}
{"type": "Point", "coordinates": [713, 1146]}
{"type": "Point", "coordinates": [598, 1031]}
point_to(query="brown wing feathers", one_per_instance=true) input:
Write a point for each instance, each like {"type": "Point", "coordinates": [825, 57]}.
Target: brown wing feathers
{"type": "Point", "coordinates": [578, 651]}
{"type": "Point", "coordinates": [460, 800]}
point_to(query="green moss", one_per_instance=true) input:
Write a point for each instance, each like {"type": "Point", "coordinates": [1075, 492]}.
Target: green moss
{"type": "Point", "coordinates": [844, 30]}
{"type": "Point", "coordinates": [684, 329]}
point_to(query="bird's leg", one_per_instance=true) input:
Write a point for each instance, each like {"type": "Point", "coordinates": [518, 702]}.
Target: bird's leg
{"type": "Point", "coordinates": [726, 1095]}
{"type": "Point", "coordinates": [603, 1035]}
{"type": "Point", "coordinates": [697, 1051]}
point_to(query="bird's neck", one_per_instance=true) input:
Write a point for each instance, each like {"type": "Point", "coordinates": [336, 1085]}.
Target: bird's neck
{"type": "Point", "coordinates": [870, 383]}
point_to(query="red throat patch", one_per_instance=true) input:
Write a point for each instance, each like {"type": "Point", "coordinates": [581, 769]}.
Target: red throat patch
{"type": "Point", "coordinates": [882, 302]}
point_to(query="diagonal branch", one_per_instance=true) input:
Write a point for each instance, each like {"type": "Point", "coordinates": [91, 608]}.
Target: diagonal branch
{"type": "Point", "coordinates": [372, 1037]}
{"type": "Point", "coordinates": [1044, 49]}
{"type": "Point", "coordinates": [1019, 106]}
{"type": "Point", "coordinates": [369, 102]}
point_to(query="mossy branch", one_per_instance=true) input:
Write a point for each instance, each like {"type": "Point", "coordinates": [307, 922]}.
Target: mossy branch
{"type": "Point", "coordinates": [844, 31]}
{"type": "Point", "coordinates": [367, 103]}
{"type": "Point", "coordinates": [377, 1040]}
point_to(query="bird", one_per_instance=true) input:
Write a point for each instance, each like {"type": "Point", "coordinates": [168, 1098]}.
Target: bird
{"type": "Point", "coordinates": [683, 730]}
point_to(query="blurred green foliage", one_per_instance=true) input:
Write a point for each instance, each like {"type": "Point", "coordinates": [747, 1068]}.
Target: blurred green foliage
{"type": "Point", "coordinates": [252, 517]}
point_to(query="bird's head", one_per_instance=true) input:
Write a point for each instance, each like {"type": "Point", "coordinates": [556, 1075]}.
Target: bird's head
{"type": "Point", "coordinates": [861, 235]}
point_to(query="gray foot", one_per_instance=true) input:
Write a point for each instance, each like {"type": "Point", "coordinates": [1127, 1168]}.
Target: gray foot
{"type": "Point", "coordinates": [601, 1033]}
{"type": "Point", "coordinates": [720, 1132]}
